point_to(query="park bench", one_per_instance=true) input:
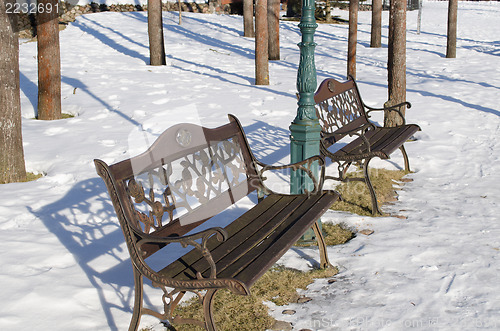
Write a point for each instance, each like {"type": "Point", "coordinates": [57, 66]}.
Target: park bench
{"type": "Point", "coordinates": [189, 176]}
{"type": "Point", "coordinates": [342, 113]}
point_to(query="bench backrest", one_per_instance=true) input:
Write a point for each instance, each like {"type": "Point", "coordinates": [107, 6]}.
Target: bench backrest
{"type": "Point", "coordinates": [188, 175]}
{"type": "Point", "coordinates": [339, 107]}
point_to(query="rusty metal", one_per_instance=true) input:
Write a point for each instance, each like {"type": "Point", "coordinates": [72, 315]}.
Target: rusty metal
{"type": "Point", "coordinates": [342, 112]}
{"type": "Point", "coordinates": [187, 176]}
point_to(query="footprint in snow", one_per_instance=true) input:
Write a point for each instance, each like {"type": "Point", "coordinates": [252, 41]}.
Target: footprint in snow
{"type": "Point", "coordinates": [107, 143]}
{"type": "Point", "coordinates": [161, 101]}
{"type": "Point", "coordinates": [157, 92]}
{"type": "Point", "coordinates": [55, 131]}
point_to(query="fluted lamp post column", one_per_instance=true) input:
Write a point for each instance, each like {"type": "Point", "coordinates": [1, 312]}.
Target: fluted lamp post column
{"type": "Point", "coordinates": [305, 129]}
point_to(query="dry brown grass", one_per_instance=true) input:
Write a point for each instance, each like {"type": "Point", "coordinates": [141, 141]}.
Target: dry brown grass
{"type": "Point", "coordinates": [278, 285]}
{"type": "Point", "coordinates": [355, 194]}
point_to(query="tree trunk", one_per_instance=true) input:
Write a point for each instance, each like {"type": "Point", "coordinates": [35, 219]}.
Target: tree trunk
{"type": "Point", "coordinates": [12, 167]}
{"type": "Point", "coordinates": [155, 32]}
{"type": "Point", "coordinates": [328, 12]}
{"type": "Point", "coordinates": [49, 62]}
{"type": "Point", "coordinates": [261, 44]}
{"type": "Point", "coordinates": [451, 43]}
{"type": "Point", "coordinates": [273, 23]}
{"type": "Point", "coordinates": [376, 31]}
{"type": "Point", "coordinates": [352, 39]}
{"type": "Point", "coordinates": [396, 64]}
{"type": "Point", "coordinates": [180, 12]}
{"type": "Point", "coordinates": [248, 28]}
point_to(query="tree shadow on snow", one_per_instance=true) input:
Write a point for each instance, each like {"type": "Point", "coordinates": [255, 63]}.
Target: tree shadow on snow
{"type": "Point", "coordinates": [447, 97]}
{"type": "Point", "coordinates": [29, 89]}
{"type": "Point", "coordinates": [85, 223]}
{"type": "Point", "coordinates": [87, 28]}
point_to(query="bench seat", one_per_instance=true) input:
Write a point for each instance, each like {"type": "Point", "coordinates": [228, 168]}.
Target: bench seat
{"type": "Point", "coordinates": [342, 112]}
{"type": "Point", "coordinates": [382, 143]}
{"type": "Point", "coordinates": [257, 239]}
{"type": "Point", "coordinates": [188, 177]}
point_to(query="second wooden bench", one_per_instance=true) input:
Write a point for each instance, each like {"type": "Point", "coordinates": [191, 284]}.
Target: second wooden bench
{"type": "Point", "coordinates": [342, 113]}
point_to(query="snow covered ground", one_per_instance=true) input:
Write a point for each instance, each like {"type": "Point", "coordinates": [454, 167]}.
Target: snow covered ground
{"type": "Point", "coordinates": [64, 263]}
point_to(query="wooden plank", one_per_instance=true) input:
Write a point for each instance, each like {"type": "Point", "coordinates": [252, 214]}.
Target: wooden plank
{"type": "Point", "coordinates": [273, 246]}
{"type": "Point", "coordinates": [248, 236]}
{"type": "Point", "coordinates": [397, 138]}
{"type": "Point", "coordinates": [384, 140]}
{"type": "Point", "coordinates": [269, 252]}
{"type": "Point", "coordinates": [194, 255]}
{"type": "Point", "coordinates": [242, 244]}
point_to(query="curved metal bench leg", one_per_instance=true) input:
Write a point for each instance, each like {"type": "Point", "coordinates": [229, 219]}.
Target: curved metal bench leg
{"type": "Point", "coordinates": [323, 254]}
{"type": "Point", "coordinates": [405, 156]}
{"type": "Point", "coordinates": [207, 309]}
{"type": "Point", "coordinates": [136, 315]}
{"type": "Point", "coordinates": [375, 208]}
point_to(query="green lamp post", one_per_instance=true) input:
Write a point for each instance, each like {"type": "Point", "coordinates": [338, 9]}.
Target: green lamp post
{"type": "Point", "coordinates": [305, 129]}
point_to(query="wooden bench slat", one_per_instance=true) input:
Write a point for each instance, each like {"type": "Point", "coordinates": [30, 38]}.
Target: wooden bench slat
{"type": "Point", "coordinates": [282, 239]}
{"type": "Point", "coordinates": [179, 266]}
{"type": "Point", "coordinates": [254, 244]}
{"type": "Point", "coordinates": [384, 140]}
{"type": "Point", "coordinates": [250, 230]}
{"type": "Point", "coordinates": [243, 249]}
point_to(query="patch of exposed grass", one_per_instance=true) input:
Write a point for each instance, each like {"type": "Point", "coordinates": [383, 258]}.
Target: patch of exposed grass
{"type": "Point", "coordinates": [31, 176]}
{"type": "Point", "coordinates": [355, 194]}
{"type": "Point", "coordinates": [334, 234]}
{"type": "Point", "coordinates": [278, 285]}
{"type": "Point", "coordinates": [63, 116]}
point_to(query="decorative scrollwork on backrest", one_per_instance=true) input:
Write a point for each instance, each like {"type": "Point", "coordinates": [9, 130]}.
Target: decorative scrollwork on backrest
{"type": "Point", "coordinates": [339, 110]}
{"type": "Point", "coordinates": [182, 186]}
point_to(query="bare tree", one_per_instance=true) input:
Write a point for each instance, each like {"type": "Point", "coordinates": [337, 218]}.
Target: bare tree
{"type": "Point", "coordinates": [248, 27]}
{"type": "Point", "coordinates": [352, 39]}
{"type": "Point", "coordinates": [451, 42]}
{"type": "Point", "coordinates": [49, 61]}
{"type": "Point", "coordinates": [180, 11]}
{"type": "Point", "coordinates": [155, 32]}
{"type": "Point", "coordinates": [376, 29]}
{"type": "Point", "coordinates": [261, 44]}
{"type": "Point", "coordinates": [273, 23]}
{"type": "Point", "coordinates": [328, 12]}
{"type": "Point", "coordinates": [396, 64]}
{"type": "Point", "coordinates": [12, 168]}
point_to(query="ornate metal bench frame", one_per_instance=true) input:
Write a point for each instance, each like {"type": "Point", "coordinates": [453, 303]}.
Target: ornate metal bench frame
{"type": "Point", "coordinates": [188, 175]}
{"type": "Point", "coordinates": [341, 113]}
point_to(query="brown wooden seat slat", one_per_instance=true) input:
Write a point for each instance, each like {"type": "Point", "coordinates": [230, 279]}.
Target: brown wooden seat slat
{"type": "Point", "coordinates": [289, 231]}
{"type": "Point", "coordinates": [189, 175]}
{"type": "Point", "coordinates": [243, 260]}
{"type": "Point", "coordinates": [249, 223]}
{"type": "Point", "coordinates": [249, 236]}
{"type": "Point", "coordinates": [383, 140]}
{"type": "Point", "coordinates": [342, 113]}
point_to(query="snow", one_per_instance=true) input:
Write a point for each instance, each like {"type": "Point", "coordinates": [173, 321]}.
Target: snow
{"type": "Point", "coordinates": [65, 265]}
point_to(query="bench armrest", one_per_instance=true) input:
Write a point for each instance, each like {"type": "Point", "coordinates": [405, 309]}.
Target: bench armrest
{"type": "Point", "coordinates": [190, 240]}
{"type": "Point", "coordinates": [305, 165]}
{"type": "Point", "coordinates": [395, 108]}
